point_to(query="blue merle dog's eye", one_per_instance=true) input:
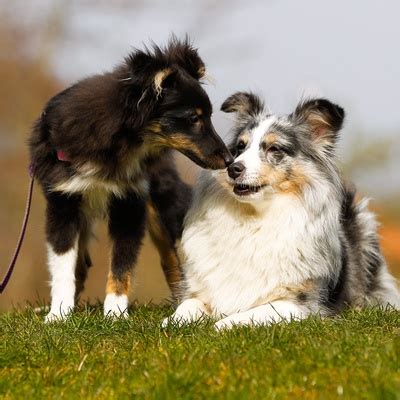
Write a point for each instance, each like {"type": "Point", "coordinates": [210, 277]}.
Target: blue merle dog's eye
{"type": "Point", "coordinates": [275, 154]}
{"type": "Point", "coordinates": [274, 149]}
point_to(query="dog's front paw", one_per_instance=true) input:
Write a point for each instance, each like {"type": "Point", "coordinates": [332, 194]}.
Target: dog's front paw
{"type": "Point", "coordinates": [165, 322]}
{"type": "Point", "coordinates": [116, 306]}
{"type": "Point", "coordinates": [176, 320]}
{"type": "Point", "coordinates": [55, 317]}
{"type": "Point", "coordinates": [190, 310]}
{"type": "Point", "coordinates": [116, 314]}
{"type": "Point", "coordinates": [58, 312]}
{"type": "Point", "coordinates": [224, 324]}
{"type": "Point", "coordinates": [50, 317]}
{"type": "Point", "coordinates": [231, 321]}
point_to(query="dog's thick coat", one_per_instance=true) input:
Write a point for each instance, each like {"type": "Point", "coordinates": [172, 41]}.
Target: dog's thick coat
{"type": "Point", "coordinates": [278, 235]}
{"type": "Point", "coordinates": [101, 149]}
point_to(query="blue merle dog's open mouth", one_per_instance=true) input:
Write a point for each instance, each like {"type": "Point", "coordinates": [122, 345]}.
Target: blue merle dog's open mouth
{"type": "Point", "coordinates": [245, 190]}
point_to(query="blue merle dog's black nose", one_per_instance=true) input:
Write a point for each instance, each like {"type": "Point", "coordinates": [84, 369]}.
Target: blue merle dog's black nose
{"type": "Point", "coordinates": [236, 169]}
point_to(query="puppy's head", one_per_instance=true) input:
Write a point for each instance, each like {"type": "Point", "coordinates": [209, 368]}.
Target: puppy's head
{"type": "Point", "coordinates": [280, 155]}
{"type": "Point", "coordinates": [173, 110]}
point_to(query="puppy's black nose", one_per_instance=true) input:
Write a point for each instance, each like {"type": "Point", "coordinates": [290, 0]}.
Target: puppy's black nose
{"type": "Point", "coordinates": [236, 169]}
{"type": "Point", "coordinates": [228, 159]}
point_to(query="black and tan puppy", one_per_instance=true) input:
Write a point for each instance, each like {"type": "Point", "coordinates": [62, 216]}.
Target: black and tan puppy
{"type": "Point", "coordinates": [101, 149]}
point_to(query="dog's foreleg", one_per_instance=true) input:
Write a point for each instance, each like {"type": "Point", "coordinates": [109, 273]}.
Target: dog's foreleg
{"type": "Point", "coordinates": [165, 246]}
{"type": "Point", "coordinates": [188, 311]}
{"type": "Point", "coordinates": [126, 228]}
{"type": "Point", "coordinates": [274, 312]}
{"type": "Point", "coordinates": [84, 261]}
{"type": "Point", "coordinates": [62, 271]}
{"type": "Point", "coordinates": [62, 232]}
{"type": "Point", "coordinates": [168, 204]}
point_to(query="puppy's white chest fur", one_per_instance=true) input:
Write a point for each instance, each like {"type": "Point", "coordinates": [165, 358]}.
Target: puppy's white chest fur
{"type": "Point", "coordinates": [234, 260]}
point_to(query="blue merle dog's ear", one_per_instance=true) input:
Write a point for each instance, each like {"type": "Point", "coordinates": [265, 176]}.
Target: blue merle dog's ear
{"type": "Point", "coordinates": [245, 104]}
{"type": "Point", "coordinates": [323, 117]}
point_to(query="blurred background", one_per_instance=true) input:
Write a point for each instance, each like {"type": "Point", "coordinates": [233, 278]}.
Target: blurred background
{"type": "Point", "coordinates": [284, 50]}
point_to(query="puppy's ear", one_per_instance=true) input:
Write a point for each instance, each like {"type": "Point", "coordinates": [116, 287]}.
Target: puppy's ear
{"type": "Point", "coordinates": [148, 69]}
{"type": "Point", "coordinates": [148, 74]}
{"type": "Point", "coordinates": [323, 117]}
{"type": "Point", "coordinates": [246, 104]}
{"type": "Point", "coordinates": [186, 56]}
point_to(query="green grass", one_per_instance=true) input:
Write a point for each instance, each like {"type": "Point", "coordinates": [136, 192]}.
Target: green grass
{"type": "Point", "coordinates": [352, 356]}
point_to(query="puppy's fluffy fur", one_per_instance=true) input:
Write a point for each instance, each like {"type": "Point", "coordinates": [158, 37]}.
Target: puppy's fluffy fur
{"type": "Point", "coordinates": [277, 235]}
{"type": "Point", "coordinates": [101, 149]}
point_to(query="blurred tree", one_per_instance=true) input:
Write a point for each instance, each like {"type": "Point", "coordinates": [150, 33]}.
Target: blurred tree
{"type": "Point", "coordinates": [27, 79]}
{"type": "Point", "coordinates": [368, 156]}
{"type": "Point", "coordinates": [368, 153]}
{"type": "Point", "coordinates": [27, 82]}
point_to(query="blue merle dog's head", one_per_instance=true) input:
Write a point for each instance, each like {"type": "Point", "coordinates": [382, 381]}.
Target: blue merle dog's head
{"type": "Point", "coordinates": [280, 154]}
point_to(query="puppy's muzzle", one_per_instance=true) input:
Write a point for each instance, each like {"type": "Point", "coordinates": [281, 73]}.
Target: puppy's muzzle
{"type": "Point", "coordinates": [228, 159]}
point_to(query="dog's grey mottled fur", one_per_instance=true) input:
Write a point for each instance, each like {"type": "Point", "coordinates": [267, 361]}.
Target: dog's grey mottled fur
{"type": "Point", "coordinates": [279, 235]}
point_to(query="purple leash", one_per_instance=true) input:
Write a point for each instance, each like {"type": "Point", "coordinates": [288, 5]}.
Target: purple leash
{"type": "Point", "coordinates": [11, 266]}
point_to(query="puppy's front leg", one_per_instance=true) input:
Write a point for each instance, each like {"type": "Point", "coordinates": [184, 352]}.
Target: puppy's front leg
{"type": "Point", "coordinates": [188, 311]}
{"type": "Point", "coordinates": [62, 234]}
{"type": "Point", "coordinates": [274, 312]}
{"type": "Point", "coordinates": [126, 228]}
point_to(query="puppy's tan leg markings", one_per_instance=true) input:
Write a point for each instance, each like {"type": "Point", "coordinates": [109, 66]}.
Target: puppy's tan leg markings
{"type": "Point", "coordinates": [119, 286]}
{"type": "Point", "coordinates": [117, 290]}
{"type": "Point", "coordinates": [167, 250]}
{"type": "Point", "coordinates": [84, 261]}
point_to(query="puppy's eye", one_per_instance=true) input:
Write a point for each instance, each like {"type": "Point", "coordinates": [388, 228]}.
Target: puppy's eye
{"type": "Point", "coordinates": [241, 146]}
{"type": "Point", "coordinates": [194, 118]}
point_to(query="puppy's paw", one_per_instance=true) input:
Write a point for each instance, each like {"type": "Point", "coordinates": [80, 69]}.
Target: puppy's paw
{"type": "Point", "coordinates": [59, 312]}
{"type": "Point", "coordinates": [55, 317]}
{"type": "Point", "coordinates": [116, 315]}
{"type": "Point", "coordinates": [116, 306]}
